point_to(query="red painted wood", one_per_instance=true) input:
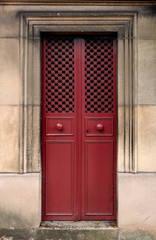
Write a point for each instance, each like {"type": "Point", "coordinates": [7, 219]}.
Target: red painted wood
{"type": "Point", "coordinates": [60, 178]}
{"type": "Point", "coordinates": [99, 147]}
{"type": "Point", "coordinates": [79, 128]}
{"type": "Point", "coordinates": [98, 198]}
{"type": "Point", "coordinates": [92, 123]}
{"type": "Point", "coordinates": [58, 145]}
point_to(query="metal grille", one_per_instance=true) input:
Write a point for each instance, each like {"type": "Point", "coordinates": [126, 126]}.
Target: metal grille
{"type": "Point", "coordinates": [99, 94]}
{"type": "Point", "coordinates": [59, 75]}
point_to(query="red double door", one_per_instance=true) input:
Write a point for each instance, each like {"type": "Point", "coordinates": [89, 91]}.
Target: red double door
{"type": "Point", "coordinates": [79, 128]}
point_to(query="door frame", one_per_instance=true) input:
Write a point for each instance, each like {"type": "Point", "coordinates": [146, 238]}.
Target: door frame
{"type": "Point", "coordinates": [65, 19]}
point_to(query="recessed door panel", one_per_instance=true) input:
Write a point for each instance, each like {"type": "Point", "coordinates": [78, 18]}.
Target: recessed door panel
{"type": "Point", "coordinates": [59, 126]}
{"type": "Point", "coordinates": [99, 127]}
{"type": "Point", "coordinates": [98, 178]}
{"type": "Point", "coordinates": [79, 122]}
{"type": "Point", "coordinates": [59, 180]}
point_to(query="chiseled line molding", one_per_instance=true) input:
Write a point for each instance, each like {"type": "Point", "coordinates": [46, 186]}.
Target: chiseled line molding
{"type": "Point", "coordinates": [32, 24]}
{"type": "Point", "coordinates": [82, 2]}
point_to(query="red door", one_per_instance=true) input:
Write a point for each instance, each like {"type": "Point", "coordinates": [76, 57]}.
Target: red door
{"type": "Point", "coordinates": [79, 128]}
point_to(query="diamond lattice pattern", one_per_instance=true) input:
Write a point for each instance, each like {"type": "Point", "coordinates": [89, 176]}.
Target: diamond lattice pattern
{"type": "Point", "coordinates": [59, 75]}
{"type": "Point", "coordinates": [99, 86]}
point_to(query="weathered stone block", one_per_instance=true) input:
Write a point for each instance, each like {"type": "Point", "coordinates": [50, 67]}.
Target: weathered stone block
{"type": "Point", "coordinates": [136, 200]}
{"type": "Point", "coordinates": [9, 138]}
{"type": "Point", "coordinates": [20, 201]}
{"type": "Point", "coordinates": [9, 71]}
{"type": "Point", "coordinates": [147, 71]}
{"type": "Point", "coordinates": [146, 138]}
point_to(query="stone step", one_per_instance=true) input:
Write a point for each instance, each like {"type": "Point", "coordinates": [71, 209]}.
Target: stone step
{"type": "Point", "coordinates": [45, 233]}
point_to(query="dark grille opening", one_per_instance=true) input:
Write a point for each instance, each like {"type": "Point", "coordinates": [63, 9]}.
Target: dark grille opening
{"type": "Point", "coordinates": [99, 95]}
{"type": "Point", "coordinates": [59, 77]}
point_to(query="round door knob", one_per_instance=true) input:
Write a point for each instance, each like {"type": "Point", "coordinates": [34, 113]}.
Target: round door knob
{"type": "Point", "coordinates": [99, 127]}
{"type": "Point", "coordinates": [59, 126]}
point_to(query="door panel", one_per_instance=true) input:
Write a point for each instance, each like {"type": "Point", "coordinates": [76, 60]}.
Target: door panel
{"type": "Point", "coordinates": [79, 122]}
{"type": "Point", "coordinates": [60, 178]}
{"type": "Point", "coordinates": [92, 125]}
{"type": "Point", "coordinates": [59, 126]}
{"type": "Point", "coordinates": [98, 178]}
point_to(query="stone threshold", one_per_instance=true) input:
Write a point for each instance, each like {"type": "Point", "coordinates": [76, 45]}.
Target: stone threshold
{"type": "Point", "coordinates": [79, 225]}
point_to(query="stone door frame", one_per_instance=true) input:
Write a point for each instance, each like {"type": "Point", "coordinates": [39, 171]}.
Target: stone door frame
{"type": "Point", "coordinates": [77, 19]}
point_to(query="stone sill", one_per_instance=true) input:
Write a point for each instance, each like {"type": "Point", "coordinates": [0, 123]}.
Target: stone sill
{"type": "Point", "coordinates": [78, 225]}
